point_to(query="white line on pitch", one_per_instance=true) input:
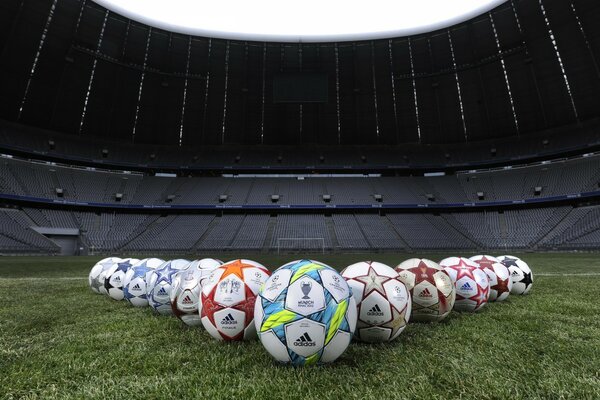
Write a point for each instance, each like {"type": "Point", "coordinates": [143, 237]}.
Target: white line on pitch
{"type": "Point", "coordinates": [64, 278]}
{"type": "Point", "coordinates": [583, 274]}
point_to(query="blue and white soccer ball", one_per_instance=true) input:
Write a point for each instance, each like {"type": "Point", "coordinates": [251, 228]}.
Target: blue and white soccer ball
{"type": "Point", "coordinates": [134, 287]}
{"type": "Point", "coordinates": [159, 285]}
{"type": "Point", "coordinates": [187, 287]}
{"type": "Point", "coordinates": [96, 276]}
{"type": "Point", "coordinates": [305, 313]}
{"type": "Point", "coordinates": [114, 278]}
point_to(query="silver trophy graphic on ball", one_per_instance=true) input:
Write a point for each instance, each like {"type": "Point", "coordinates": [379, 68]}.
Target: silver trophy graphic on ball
{"type": "Point", "coordinates": [306, 286]}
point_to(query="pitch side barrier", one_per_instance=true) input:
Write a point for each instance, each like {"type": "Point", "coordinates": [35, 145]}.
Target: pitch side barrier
{"type": "Point", "coordinates": [346, 207]}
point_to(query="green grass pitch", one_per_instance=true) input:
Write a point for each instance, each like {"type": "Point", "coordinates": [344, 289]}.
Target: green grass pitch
{"type": "Point", "coordinates": [60, 340]}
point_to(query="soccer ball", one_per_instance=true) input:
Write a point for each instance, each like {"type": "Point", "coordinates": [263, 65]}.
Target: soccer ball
{"type": "Point", "coordinates": [383, 301]}
{"type": "Point", "coordinates": [305, 314]}
{"type": "Point", "coordinates": [432, 291]}
{"type": "Point", "coordinates": [228, 297]}
{"type": "Point", "coordinates": [159, 285]}
{"type": "Point", "coordinates": [134, 287]}
{"type": "Point", "coordinates": [520, 274]}
{"type": "Point", "coordinates": [96, 276]}
{"type": "Point", "coordinates": [498, 275]}
{"type": "Point", "coordinates": [114, 278]}
{"type": "Point", "coordinates": [471, 282]}
{"type": "Point", "coordinates": [185, 295]}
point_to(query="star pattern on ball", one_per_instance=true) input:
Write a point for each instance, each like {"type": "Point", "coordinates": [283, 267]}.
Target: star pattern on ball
{"type": "Point", "coordinates": [397, 322]}
{"type": "Point", "coordinates": [373, 282]}
{"type": "Point", "coordinates": [501, 286]}
{"type": "Point", "coordinates": [485, 262]}
{"type": "Point", "coordinates": [510, 262]}
{"type": "Point", "coordinates": [166, 274]}
{"type": "Point", "coordinates": [234, 268]}
{"type": "Point", "coordinates": [96, 284]}
{"type": "Point", "coordinates": [527, 279]}
{"type": "Point", "coordinates": [462, 271]}
{"type": "Point", "coordinates": [424, 273]}
{"type": "Point", "coordinates": [481, 297]}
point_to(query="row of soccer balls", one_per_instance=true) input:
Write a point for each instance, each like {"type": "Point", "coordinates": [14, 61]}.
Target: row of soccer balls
{"type": "Point", "coordinates": [306, 312]}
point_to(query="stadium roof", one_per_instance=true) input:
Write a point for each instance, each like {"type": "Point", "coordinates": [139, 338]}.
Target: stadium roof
{"type": "Point", "coordinates": [303, 21]}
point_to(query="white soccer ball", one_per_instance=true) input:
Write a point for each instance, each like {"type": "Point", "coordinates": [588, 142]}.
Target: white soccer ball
{"type": "Point", "coordinates": [520, 274]}
{"type": "Point", "coordinates": [187, 287]}
{"type": "Point", "coordinates": [96, 276]}
{"type": "Point", "coordinates": [431, 289]}
{"type": "Point", "coordinates": [135, 286]}
{"type": "Point", "coordinates": [228, 298]}
{"type": "Point", "coordinates": [498, 275]}
{"type": "Point", "coordinates": [305, 313]}
{"type": "Point", "coordinates": [114, 278]}
{"type": "Point", "coordinates": [383, 301]}
{"type": "Point", "coordinates": [471, 283]}
{"type": "Point", "coordinates": [159, 285]}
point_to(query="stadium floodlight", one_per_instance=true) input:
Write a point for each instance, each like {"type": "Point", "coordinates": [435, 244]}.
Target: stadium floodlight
{"type": "Point", "coordinates": [306, 21]}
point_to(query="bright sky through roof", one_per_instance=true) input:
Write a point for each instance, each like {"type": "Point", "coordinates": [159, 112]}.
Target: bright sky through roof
{"type": "Point", "coordinates": [303, 20]}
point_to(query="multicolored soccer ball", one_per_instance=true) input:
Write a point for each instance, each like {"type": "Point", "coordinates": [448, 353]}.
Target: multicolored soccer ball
{"type": "Point", "coordinates": [187, 287]}
{"type": "Point", "coordinates": [228, 298]}
{"type": "Point", "coordinates": [135, 288]}
{"type": "Point", "coordinates": [114, 278]}
{"type": "Point", "coordinates": [305, 314]}
{"type": "Point", "coordinates": [96, 276]}
{"type": "Point", "coordinates": [471, 283]}
{"type": "Point", "coordinates": [159, 285]}
{"type": "Point", "coordinates": [383, 301]}
{"type": "Point", "coordinates": [498, 275]}
{"type": "Point", "coordinates": [432, 291]}
{"type": "Point", "coordinates": [520, 274]}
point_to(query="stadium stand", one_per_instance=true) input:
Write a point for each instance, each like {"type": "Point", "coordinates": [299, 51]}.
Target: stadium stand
{"type": "Point", "coordinates": [482, 135]}
{"type": "Point", "coordinates": [560, 228]}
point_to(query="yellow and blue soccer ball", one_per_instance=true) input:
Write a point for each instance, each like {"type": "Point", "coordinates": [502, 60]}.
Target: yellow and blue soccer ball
{"type": "Point", "coordinates": [305, 313]}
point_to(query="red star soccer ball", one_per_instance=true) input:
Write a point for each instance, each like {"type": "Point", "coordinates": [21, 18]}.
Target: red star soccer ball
{"type": "Point", "coordinates": [498, 274]}
{"type": "Point", "coordinates": [228, 298]}
{"type": "Point", "coordinates": [471, 283]}
{"type": "Point", "coordinates": [382, 300]}
{"type": "Point", "coordinates": [432, 291]}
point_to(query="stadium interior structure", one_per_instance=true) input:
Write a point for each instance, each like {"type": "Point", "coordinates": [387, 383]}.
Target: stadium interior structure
{"type": "Point", "coordinates": [120, 137]}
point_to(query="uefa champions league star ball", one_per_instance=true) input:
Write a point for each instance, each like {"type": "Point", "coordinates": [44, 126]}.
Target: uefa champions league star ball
{"type": "Point", "coordinates": [96, 276]}
{"type": "Point", "coordinates": [432, 291]}
{"type": "Point", "coordinates": [159, 285]}
{"type": "Point", "coordinates": [305, 314]}
{"type": "Point", "coordinates": [383, 301]}
{"type": "Point", "coordinates": [471, 283]}
{"type": "Point", "coordinates": [520, 274]}
{"type": "Point", "coordinates": [135, 288]}
{"type": "Point", "coordinates": [498, 275]}
{"type": "Point", "coordinates": [115, 278]}
{"type": "Point", "coordinates": [187, 285]}
{"type": "Point", "coordinates": [228, 298]}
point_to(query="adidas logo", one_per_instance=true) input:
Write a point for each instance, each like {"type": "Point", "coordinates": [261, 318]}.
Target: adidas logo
{"type": "Point", "coordinates": [136, 287]}
{"type": "Point", "coordinates": [425, 293]}
{"type": "Point", "coordinates": [375, 311]}
{"type": "Point", "coordinates": [515, 273]}
{"type": "Point", "coordinates": [466, 286]}
{"type": "Point", "coordinates": [187, 300]}
{"type": "Point", "coordinates": [305, 341]}
{"type": "Point", "coordinates": [228, 320]}
{"type": "Point", "coordinates": [162, 292]}
{"type": "Point", "coordinates": [117, 279]}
